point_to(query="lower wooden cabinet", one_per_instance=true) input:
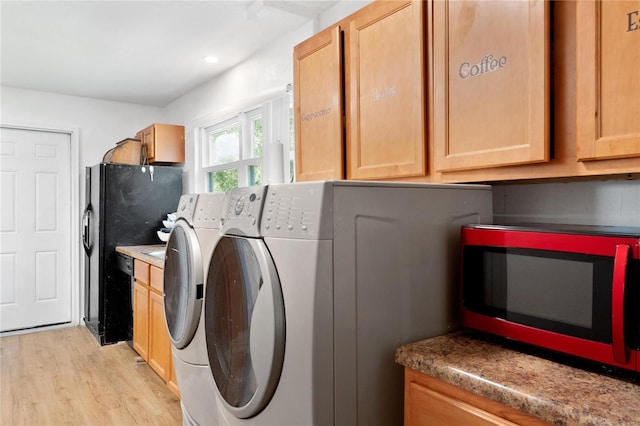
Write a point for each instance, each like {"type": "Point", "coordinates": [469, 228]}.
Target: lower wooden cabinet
{"type": "Point", "coordinates": [429, 401]}
{"type": "Point", "coordinates": [141, 319]}
{"type": "Point", "coordinates": [150, 335]}
{"type": "Point", "coordinates": [159, 343]}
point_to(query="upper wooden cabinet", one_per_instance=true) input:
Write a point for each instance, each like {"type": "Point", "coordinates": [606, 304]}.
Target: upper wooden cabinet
{"type": "Point", "coordinates": [385, 91]}
{"type": "Point", "coordinates": [318, 100]}
{"type": "Point", "coordinates": [379, 130]}
{"type": "Point", "coordinates": [491, 83]}
{"type": "Point", "coordinates": [608, 79]}
{"type": "Point", "coordinates": [164, 143]}
{"type": "Point", "coordinates": [568, 99]}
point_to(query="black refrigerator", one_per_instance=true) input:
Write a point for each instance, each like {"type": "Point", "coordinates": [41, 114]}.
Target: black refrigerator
{"type": "Point", "coordinates": [124, 205]}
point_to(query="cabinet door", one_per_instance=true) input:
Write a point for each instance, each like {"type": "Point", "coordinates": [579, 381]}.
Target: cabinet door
{"type": "Point", "coordinates": [491, 83]}
{"type": "Point", "coordinates": [141, 319]}
{"type": "Point", "coordinates": [318, 110]}
{"type": "Point", "coordinates": [608, 79]}
{"type": "Point", "coordinates": [147, 136]}
{"type": "Point", "coordinates": [168, 143]}
{"type": "Point", "coordinates": [159, 343]}
{"type": "Point", "coordinates": [385, 91]}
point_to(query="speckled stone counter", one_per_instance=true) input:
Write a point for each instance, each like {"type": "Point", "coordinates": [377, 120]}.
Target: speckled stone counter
{"type": "Point", "coordinates": [140, 253]}
{"type": "Point", "coordinates": [554, 392]}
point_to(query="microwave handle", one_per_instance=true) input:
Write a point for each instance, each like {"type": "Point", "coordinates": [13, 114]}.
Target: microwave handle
{"type": "Point", "coordinates": [617, 303]}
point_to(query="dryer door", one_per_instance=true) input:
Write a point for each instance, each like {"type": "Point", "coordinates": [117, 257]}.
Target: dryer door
{"type": "Point", "coordinates": [244, 323]}
{"type": "Point", "coordinates": [183, 284]}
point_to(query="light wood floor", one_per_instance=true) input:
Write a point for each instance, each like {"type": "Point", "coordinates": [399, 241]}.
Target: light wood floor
{"type": "Point", "coordinates": [63, 377]}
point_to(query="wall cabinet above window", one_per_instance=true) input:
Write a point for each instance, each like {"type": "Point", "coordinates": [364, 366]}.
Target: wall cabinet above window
{"type": "Point", "coordinates": [164, 143]}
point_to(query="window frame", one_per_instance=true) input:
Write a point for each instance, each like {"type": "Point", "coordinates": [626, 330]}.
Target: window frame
{"type": "Point", "coordinates": [244, 123]}
{"type": "Point", "coordinates": [276, 128]}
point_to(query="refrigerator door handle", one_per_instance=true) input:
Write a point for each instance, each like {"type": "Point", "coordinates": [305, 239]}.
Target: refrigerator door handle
{"type": "Point", "coordinates": [86, 217]}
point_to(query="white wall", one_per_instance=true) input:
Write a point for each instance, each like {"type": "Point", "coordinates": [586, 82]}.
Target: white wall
{"type": "Point", "coordinates": [598, 202]}
{"type": "Point", "coordinates": [245, 86]}
{"type": "Point", "coordinates": [100, 123]}
{"type": "Point", "coordinates": [341, 10]}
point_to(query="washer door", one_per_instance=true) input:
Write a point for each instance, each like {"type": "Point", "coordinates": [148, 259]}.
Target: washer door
{"type": "Point", "coordinates": [183, 284]}
{"type": "Point", "coordinates": [244, 323]}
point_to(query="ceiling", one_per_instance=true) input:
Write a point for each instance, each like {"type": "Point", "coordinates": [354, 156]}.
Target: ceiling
{"type": "Point", "coordinates": [143, 52]}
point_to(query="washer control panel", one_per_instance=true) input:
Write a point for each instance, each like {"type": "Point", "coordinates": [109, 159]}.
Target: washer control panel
{"type": "Point", "coordinates": [187, 206]}
{"type": "Point", "coordinates": [208, 210]}
{"type": "Point", "coordinates": [242, 209]}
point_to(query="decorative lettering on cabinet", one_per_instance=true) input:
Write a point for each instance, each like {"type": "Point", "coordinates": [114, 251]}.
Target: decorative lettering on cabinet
{"type": "Point", "coordinates": [487, 64]}
{"type": "Point", "coordinates": [311, 115]}
{"type": "Point", "coordinates": [633, 21]}
{"type": "Point", "coordinates": [385, 93]}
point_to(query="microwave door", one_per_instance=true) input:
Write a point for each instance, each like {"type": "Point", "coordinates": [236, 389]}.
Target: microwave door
{"type": "Point", "coordinates": [533, 288]}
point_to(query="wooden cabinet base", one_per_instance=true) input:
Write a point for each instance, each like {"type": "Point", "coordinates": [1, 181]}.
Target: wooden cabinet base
{"type": "Point", "coordinates": [429, 401]}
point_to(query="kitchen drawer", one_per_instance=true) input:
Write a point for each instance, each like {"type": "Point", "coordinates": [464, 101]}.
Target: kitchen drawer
{"type": "Point", "coordinates": [157, 279]}
{"type": "Point", "coordinates": [141, 271]}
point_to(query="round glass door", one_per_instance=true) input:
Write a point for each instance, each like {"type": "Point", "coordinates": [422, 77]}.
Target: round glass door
{"type": "Point", "coordinates": [183, 274]}
{"type": "Point", "coordinates": [245, 324]}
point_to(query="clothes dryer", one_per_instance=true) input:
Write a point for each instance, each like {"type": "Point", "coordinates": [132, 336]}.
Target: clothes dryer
{"type": "Point", "coordinates": [196, 231]}
{"type": "Point", "coordinates": [313, 286]}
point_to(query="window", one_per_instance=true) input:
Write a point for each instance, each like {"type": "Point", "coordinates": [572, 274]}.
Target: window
{"type": "Point", "coordinates": [232, 152]}
{"type": "Point", "coordinates": [248, 149]}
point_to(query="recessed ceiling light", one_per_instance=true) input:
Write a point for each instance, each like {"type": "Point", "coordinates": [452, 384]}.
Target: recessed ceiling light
{"type": "Point", "coordinates": [210, 59]}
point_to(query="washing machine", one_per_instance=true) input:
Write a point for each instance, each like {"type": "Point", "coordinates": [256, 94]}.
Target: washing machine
{"type": "Point", "coordinates": [196, 231]}
{"type": "Point", "coordinates": [313, 286]}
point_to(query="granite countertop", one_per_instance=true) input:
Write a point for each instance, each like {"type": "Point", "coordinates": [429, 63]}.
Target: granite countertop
{"type": "Point", "coordinates": [551, 391]}
{"type": "Point", "coordinates": [141, 253]}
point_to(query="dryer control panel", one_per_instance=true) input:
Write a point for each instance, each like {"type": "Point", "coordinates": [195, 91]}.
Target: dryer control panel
{"type": "Point", "coordinates": [242, 209]}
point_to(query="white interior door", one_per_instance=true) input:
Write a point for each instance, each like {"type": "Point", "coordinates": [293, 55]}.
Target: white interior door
{"type": "Point", "coordinates": [35, 228]}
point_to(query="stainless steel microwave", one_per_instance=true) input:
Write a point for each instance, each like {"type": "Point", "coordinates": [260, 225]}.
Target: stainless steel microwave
{"type": "Point", "coordinates": [568, 288]}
